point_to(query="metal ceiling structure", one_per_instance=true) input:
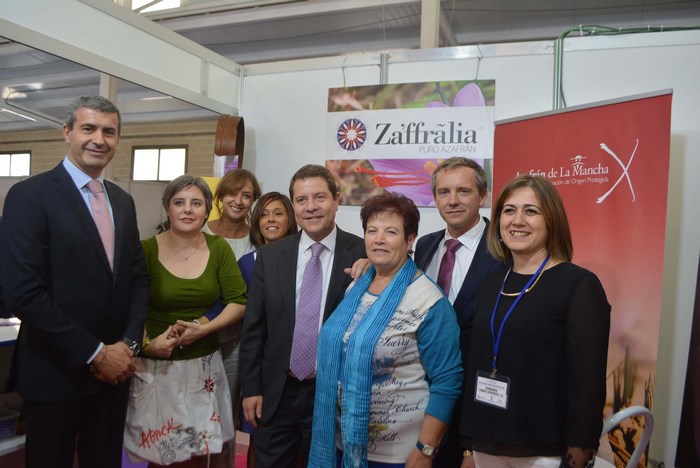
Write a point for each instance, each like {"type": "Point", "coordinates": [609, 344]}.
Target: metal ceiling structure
{"type": "Point", "coordinates": [36, 87]}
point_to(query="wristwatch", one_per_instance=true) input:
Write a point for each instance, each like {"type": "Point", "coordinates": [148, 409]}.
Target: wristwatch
{"type": "Point", "coordinates": [133, 345]}
{"type": "Point", "coordinates": [425, 449]}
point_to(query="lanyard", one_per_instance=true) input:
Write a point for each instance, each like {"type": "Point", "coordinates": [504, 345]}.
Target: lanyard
{"type": "Point", "coordinates": [497, 338]}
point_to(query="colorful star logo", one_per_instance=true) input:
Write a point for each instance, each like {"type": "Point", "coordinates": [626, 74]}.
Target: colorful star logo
{"type": "Point", "coordinates": [351, 134]}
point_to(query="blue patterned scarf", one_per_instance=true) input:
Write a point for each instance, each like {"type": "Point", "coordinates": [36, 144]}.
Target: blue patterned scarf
{"type": "Point", "coordinates": [355, 376]}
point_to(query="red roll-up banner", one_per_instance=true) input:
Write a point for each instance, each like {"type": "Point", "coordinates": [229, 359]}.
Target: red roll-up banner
{"type": "Point", "coordinates": [609, 161]}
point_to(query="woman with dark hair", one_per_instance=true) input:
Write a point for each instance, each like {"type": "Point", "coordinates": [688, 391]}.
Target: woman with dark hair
{"type": "Point", "coordinates": [272, 219]}
{"type": "Point", "coordinates": [389, 368]}
{"type": "Point", "coordinates": [535, 386]}
{"type": "Point", "coordinates": [179, 406]}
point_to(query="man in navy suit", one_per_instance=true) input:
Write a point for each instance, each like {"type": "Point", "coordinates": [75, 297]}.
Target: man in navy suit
{"type": "Point", "coordinates": [275, 401]}
{"type": "Point", "coordinates": [460, 189]}
{"type": "Point", "coordinates": [82, 304]}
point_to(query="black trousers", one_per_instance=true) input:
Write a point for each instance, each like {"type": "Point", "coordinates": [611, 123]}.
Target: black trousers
{"type": "Point", "coordinates": [93, 426]}
{"type": "Point", "coordinates": [288, 434]}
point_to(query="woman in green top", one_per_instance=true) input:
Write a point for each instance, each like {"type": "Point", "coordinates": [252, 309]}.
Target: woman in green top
{"type": "Point", "coordinates": [180, 406]}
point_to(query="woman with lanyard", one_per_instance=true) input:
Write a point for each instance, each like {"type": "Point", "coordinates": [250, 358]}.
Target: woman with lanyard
{"type": "Point", "coordinates": [535, 386]}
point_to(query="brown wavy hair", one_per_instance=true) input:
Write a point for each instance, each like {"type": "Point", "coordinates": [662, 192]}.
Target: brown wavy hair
{"type": "Point", "coordinates": [559, 243]}
{"type": "Point", "coordinates": [233, 182]}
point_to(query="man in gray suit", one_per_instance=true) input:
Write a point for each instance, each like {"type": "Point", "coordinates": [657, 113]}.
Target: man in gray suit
{"type": "Point", "coordinates": [81, 292]}
{"type": "Point", "coordinates": [460, 189]}
{"type": "Point", "coordinates": [275, 400]}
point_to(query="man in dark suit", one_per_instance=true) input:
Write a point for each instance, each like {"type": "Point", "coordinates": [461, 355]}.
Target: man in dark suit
{"type": "Point", "coordinates": [81, 293]}
{"type": "Point", "coordinates": [275, 400]}
{"type": "Point", "coordinates": [3, 310]}
{"type": "Point", "coordinates": [460, 189]}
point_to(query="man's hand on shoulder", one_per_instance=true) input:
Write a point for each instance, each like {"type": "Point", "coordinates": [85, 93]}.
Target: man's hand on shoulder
{"type": "Point", "coordinates": [113, 364]}
{"type": "Point", "coordinates": [358, 268]}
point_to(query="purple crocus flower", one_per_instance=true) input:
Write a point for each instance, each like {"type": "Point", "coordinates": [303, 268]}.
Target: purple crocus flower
{"type": "Point", "coordinates": [409, 177]}
{"type": "Point", "coordinates": [469, 96]}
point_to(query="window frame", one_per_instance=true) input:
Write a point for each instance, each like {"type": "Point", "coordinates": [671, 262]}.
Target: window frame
{"type": "Point", "coordinates": [134, 149]}
{"type": "Point", "coordinates": [11, 153]}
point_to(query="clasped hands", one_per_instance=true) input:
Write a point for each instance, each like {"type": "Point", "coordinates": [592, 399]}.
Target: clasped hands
{"type": "Point", "coordinates": [180, 334]}
{"type": "Point", "coordinates": [113, 364]}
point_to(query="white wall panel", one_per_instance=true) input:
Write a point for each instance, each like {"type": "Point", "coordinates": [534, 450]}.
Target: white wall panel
{"type": "Point", "coordinates": [284, 105]}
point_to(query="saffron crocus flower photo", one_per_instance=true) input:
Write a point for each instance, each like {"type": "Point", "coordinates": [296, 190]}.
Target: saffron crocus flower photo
{"type": "Point", "coordinates": [409, 177]}
{"type": "Point", "coordinates": [468, 96]}
{"type": "Point", "coordinates": [391, 153]}
{"type": "Point", "coordinates": [361, 179]}
{"type": "Point", "coordinates": [413, 95]}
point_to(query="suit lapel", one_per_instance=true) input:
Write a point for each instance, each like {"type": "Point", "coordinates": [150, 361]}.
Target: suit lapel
{"type": "Point", "coordinates": [341, 259]}
{"type": "Point", "coordinates": [426, 254]}
{"type": "Point", "coordinates": [75, 204]}
{"type": "Point", "coordinates": [287, 275]}
{"type": "Point", "coordinates": [481, 263]}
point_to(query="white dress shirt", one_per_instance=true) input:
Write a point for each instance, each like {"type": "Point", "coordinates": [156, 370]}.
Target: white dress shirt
{"type": "Point", "coordinates": [463, 257]}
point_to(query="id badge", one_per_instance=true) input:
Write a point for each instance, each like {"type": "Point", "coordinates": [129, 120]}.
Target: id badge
{"type": "Point", "coordinates": [492, 390]}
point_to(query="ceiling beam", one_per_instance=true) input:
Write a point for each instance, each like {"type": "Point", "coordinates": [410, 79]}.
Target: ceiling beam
{"type": "Point", "coordinates": [270, 13]}
{"type": "Point", "coordinates": [142, 51]}
{"type": "Point", "coordinates": [207, 8]}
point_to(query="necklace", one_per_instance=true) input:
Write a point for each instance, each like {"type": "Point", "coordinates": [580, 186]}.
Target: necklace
{"type": "Point", "coordinates": [186, 257]}
{"type": "Point", "coordinates": [531, 287]}
{"type": "Point", "coordinates": [192, 250]}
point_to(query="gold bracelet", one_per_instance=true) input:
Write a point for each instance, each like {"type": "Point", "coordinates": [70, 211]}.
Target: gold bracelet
{"type": "Point", "coordinates": [467, 453]}
{"type": "Point", "coordinates": [144, 345]}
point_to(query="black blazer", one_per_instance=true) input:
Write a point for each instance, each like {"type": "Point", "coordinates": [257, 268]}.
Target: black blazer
{"type": "Point", "coordinates": [268, 326]}
{"type": "Point", "coordinates": [56, 278]}
{"type": "Point", "coordinates": [465, 302]}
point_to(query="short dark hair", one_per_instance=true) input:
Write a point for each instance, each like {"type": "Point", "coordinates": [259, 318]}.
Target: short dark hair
{"type": "Point", "coordinates": [453, 163]}
{"type": "Point", "coordinates": [559, 243]}
{"type": "Point", "coordinates": [392, 203]}
{"type": "Point", "coordinates": [97, 103]}
{"type": "Point", "coordinates": [256, 237]}
{"type": "Point", "coordinates": [314, 170]}
{"type": "Point", "coordinates": [233, 182]}
{"type": "Point", "coordinates": [183, 182]}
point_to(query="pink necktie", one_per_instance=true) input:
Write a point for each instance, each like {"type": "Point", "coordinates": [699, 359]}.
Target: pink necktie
{"type": "Point", "coordinates": [103, 220]}
{"type": "Point", "coordinates": [447, 265]}
{"type": "Point", "coordinates": [303, 360]}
